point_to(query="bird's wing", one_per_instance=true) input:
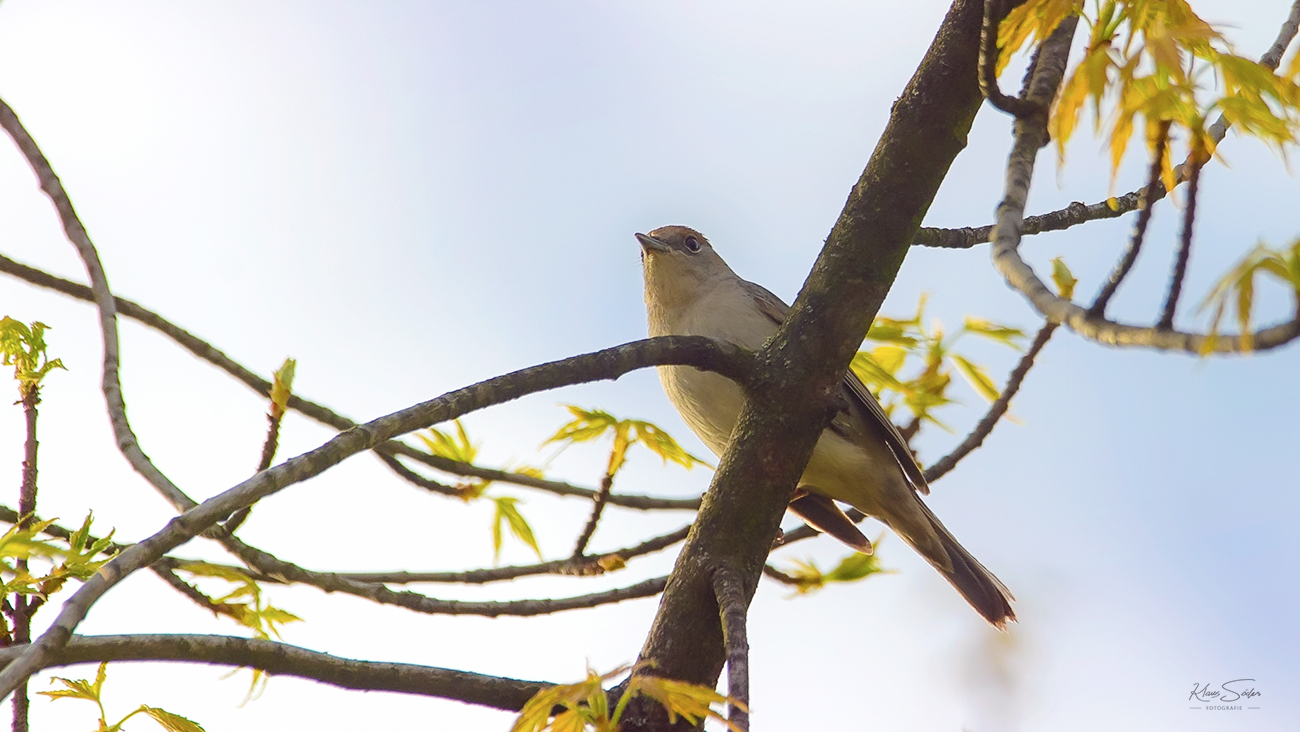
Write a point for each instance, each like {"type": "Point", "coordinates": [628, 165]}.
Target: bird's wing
{"type": "Point", "coordinates": [856, 392]}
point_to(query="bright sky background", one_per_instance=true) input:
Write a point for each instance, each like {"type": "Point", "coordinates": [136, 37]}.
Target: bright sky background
{"type": "Point", "coordinates": [409, 197]}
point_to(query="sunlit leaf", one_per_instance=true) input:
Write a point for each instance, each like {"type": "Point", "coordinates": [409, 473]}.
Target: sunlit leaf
{"type": "Point", "coordinates": [171, 722]}
{"type": "Point", "coordinates": [1064, 279]}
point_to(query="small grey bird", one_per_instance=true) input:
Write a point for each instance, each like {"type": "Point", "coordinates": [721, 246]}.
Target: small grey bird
{"type": "Point", "coordinates": [861, 459]}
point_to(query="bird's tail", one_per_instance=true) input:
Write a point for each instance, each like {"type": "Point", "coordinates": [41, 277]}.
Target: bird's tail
{"type": "Point", "coordinates": [982, 590]}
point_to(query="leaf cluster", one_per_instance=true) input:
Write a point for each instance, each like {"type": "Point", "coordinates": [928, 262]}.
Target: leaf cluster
{"type": "Point", "coordinates": [1238, 286]}
{"type": "Point", "coordinates": [586, 704]}
{"type": "Point", "coordinates": [246, 603]}
{"type": "Point", "coordinates": [93, 691]}
{"type": "Point", "coordinates": [807, 577]}
{"type": "Point", "coordinates": [1145, 60]}
{"type": "Point", "coordinates": [906, 343]}
{"type": "Point", "coordinates": [23, 347]}
{"type": "Point", "coordinates": [79, 560]}
{"type": "Point", "coordinates": [589, 424]}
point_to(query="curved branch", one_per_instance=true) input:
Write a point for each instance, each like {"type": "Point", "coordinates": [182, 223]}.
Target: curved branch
{"type": "Point", "coordinates": [324, 415]}
{"type": "Point", "coordinates": [80, 239]}
{"type": "Point", "coordinates": [282, 659]}
{"type": "Point", "coordinates": [1014, 106]}
{"type": "Point", "coordinates": [608, 364]}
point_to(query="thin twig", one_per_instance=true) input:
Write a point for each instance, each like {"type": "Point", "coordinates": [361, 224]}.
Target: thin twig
{"type": "Point", "coordinates": [24, 606]}
{"type": "Point", "coordinates": [173, 580]}
{"type": "Point", "coordinates": [597, 508]}
{"type": "Point", "coordinates": [1184, 249]}
{"type": "Point", "coordinates": [731, 608]}
{"type": "Point", "coordinates": [996, 410]}
{"type": "Point", "coordinates": [269, 447]}
{"type": "Point", "coordinates": [1098, 309]}
{"type": "Point", "coordinates": [414, 601]}
{"type": "Point", "coordinates": [499, 574]}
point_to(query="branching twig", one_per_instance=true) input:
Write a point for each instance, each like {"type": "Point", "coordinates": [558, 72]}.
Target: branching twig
{"type": "Point", "coordinates": [1125, 265]}
{"type": "Point", "coordinates": [731, 607]}
{"type": "Point", "coordinates": [286, 660]}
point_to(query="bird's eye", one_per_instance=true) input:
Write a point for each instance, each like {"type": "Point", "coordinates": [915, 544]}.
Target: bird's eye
{"type": "Point", "coordinates": [692, 244]}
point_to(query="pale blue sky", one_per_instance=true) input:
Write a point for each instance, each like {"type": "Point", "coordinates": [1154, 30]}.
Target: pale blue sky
{"type": "Point", "coordinates": [409, 197]}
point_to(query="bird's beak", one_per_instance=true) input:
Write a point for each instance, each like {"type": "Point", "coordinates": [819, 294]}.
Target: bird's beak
{"type": "Point", "coordinates": [651, 244]}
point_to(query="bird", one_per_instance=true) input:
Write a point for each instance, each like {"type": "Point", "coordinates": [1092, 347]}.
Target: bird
{"type": "Point", "coordinates": [860, 459]}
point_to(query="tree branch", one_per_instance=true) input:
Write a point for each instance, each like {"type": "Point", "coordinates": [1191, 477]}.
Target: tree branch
{"type": "Point", "coordinates": [282, 659]}
{"type": "Point", "coordinates": [994, 12]}
{"type": "Point", "coordinates": [732, 607]}
{"type": "Point", "coordinates": [1078, 213]}
{"type": "Point", "coordinates": [498, 574]}
{"type": "Point", "coordinates": [1184, 247]}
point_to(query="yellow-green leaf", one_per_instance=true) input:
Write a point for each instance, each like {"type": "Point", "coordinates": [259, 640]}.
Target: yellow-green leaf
{"type": "Point", "coordinates": [977, 378]}
{"type": "Point", "coordinates": [1064, 279]}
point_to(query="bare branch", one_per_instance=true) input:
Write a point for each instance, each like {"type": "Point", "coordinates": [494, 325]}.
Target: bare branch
{"type": "Point", "coordinates": [282, 659]}
{"type": "Point", "coordinates": [378, 593]}
{"type": "Point", "coordinates": [498, 574]}
{"type": "Point", "coordinates": [732, 607]}
{"type": "Point", "coordinates": [76, 233]}
{"type": "Point", "coordinates": [996, 410]}
{"type": "Point", "coordinates": [1126, 262]}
